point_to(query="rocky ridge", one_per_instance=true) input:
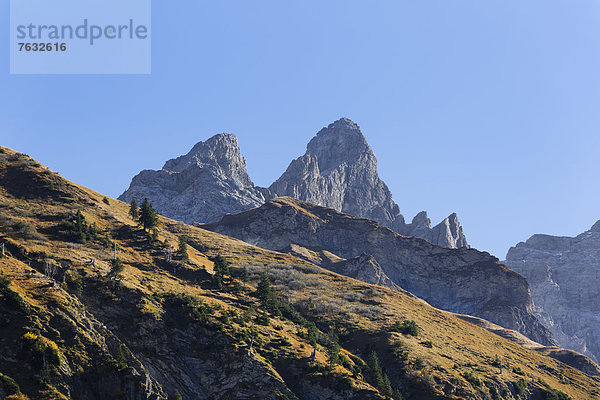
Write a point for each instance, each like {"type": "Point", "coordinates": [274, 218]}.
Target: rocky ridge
{"type": "Point", "coordinates": [459, 280]}
{"type": "Point", "coordinates": [203, 185]}
{"type": "Point", "coordinates": [564, 276]}
{"type": "Point", "coordinates": [339, 170]}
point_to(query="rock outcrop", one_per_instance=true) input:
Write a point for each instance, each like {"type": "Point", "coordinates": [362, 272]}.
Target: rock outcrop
{"type": "Point", "coordinates": [363, 267]}
{"type": "Point", "coordinates": [201, 186]}
{"type": "Point", "coordinates": [339, 170]}
{"type": "Point", "coordinates": [564, 276]}
{"type": "Point", "coordinates": [459, 280]}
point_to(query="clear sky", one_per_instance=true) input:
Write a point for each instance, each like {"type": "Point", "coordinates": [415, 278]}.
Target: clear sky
{"type": "Point", "coordinates": [487, 108]}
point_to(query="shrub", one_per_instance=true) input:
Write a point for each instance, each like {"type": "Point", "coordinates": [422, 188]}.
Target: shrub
{"type": "Point", "coordinates": [520, 386]}
{"type": "Point", "coordinates": [401, 352]}
{"type": "Point", "coordinates": [25, 230]}
{"type": "Point", "coordinates": [42, 348]}
{"type": "Point", "coordinates": [189, 309]}
{"type": "Point", "coordinates": [419, 363]}
{"type": "Point", "coordinates": [105, 200]}
{"type": "Point", "coordinates": [497, 363]}
{"type": "Point", "coordinates": [13, 299]}
{"type": "Point", "coordinates": [76, 229]}
{"type": "Point", "coordinates": [9, 385]}
{"type": "Point", "coordinates": [74, 283]}
{"type": "Point", "coordinates": [406, 327]}
{"type": "Point", "coordinates": [556, 395]}
{"type": "Point", "coordinates": [472, 379]}
{"type": "Point", "coordinates": [427, 344]}
{"type": "Point", "coordinates": [175, 396]}
{"type": "Point", "coordinates": [518, 371]}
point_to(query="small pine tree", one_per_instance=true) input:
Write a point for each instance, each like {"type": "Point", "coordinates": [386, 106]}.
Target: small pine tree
{"type": "Point", "coordinates": [182, 250]}
{"type": "Point", "coordinates": [148, 217]}
{"type": "Point", "coordinates": [80, 228]}
{"type": "Point", "coordinates": [375, 370]}
{"type": "Point", "coordinates": [386, 386]}
{"type": "Point", "coordinates": [116, 268]}
{"type": "Point", "coordinates": [134, 210]}
{"type": "Point", "coordinates": [221, 265]}
{"type": "Point", "coordinates": [266, 294]}
{"type": "Point", "coordinates": [333, 348]}
{"type": "Point", "coordinates": [245, 275]}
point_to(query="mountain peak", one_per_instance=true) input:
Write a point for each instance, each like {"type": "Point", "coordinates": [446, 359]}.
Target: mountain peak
{"type": "Point", "coordinates": [339, 170]}
{"type": "Point", "coordinates": [221, 152]}
{"type": "Point", "coordinates": [201, 186]}
{"type": "Point", "coordinates": [340, 142]}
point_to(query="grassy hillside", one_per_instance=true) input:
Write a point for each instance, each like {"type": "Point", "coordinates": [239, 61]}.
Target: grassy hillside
{"type": "Point", "coordinates": [159, 327]}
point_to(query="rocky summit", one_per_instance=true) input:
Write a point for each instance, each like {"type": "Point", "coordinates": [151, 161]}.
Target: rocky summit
{"type": "Point", "coordinates": [564, 275]}
{"type": "Point", "coordinates": [339, 170]}
{"type": "Point", "coordinates": [459, 280]}
{"type": "Point", "coordinates": [201, 186]}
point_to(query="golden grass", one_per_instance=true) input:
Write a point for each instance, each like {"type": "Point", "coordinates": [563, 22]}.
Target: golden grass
{"type": "Point", "coordinates": [457, 346]}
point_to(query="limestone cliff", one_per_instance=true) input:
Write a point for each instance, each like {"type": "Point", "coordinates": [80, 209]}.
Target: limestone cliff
{"type": "Point", "coordinates": [339, 170]}
{"type": "Point", "coordinates": [564, 276]}
{"type": "Point", "coordinates": [201, 186]}
{"type": "Point", "coordinates": [458, 280]}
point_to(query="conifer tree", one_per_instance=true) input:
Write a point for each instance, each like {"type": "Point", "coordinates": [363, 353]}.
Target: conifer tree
{"type": "Point", "coordinates": [134, 210]}
{"type": "Point", "coordinates": [266, 294]}
{"type": "Point", "coordinates": [386, 388]}
{"type": "Point", "coordinates": [221, 265]}
{"type": "Point", "coordinates": [333, 348]}
{"type": "Point", "coordinates": [245, 275]}
{"type": "Point", "coordinates": [148, 218]}
{"type": "Point", "coordinates": [116, 268]}
{"type": "Point", "coordinates": [375, 370]}
{"type": "Point", "coordinates": [182, 250]}
{"type": "Point", "coordinates": [221, 270]}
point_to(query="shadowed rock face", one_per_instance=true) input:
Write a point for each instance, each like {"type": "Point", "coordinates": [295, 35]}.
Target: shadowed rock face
{"type": "Point", "coordinates": [339, 170]}
{"type": "Point", "coordinates": [458, 280]}
{"type": "Point", "coordinates": [564, 275]}
{"type": "Point", "coordinates": [203, 185]}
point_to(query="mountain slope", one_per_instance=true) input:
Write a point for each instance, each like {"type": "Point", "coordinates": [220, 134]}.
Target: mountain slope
{"type": "Point", "coordinates": [458, 280]}
{"type": "Point", "coordinates": [69, 328]}
{"type": "Point", "coordinates": [563, 273]}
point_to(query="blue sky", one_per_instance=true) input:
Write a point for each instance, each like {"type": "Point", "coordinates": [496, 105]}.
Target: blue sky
{"type": "Point", "coordinates": [487, 108]}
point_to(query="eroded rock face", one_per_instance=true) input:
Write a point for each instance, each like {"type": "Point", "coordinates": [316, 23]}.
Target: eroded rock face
{"type": "Point", "coordinates": [564, 276]}
{"type": "Point", "coordinates": [201, 186]}
{"type": "Point", "coordinates": [339, 170]}
{"type": "Point", "coordinates": [459, 280]}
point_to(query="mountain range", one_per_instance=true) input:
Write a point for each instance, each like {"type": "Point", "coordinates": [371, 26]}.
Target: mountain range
{"type": "Point", "coordinates": [93, 306]}
{"type": "Point", "coordinates": [338, 170]}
